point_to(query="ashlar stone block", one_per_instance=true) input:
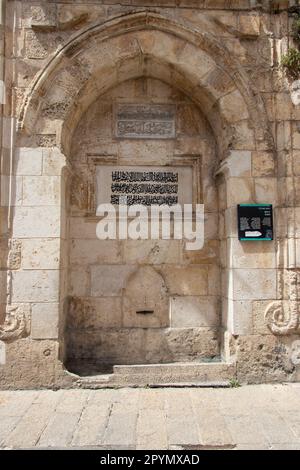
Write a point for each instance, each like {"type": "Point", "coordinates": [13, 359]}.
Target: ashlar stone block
{"type": "Point", "coordinates": [192, 311]}
{"type": "Point", "coordinates": [87, 251]}
{"type": "Point", "coordinates": [41, 190]}
{"type": "Point", "coordinates": [35, 286]}
{"type": "Point", "coordinates": [40, 253]}
{"type": "Point", "coordinates": [109, 280]}
{"type": "Point", "coordinates": [234, 107]}
{"type": "Point", "coordinates": [258, 254]}
{"type": "Point", "coordinates": [186, 280]}
{"type": "Point", "coordinates": [44, 320]}
{"type": "Point", "coordinates": [36, 222]}
{"type": "Point", "coordinates": [28, 161]}
{"type": "Point", "coordinates": [253, 284]}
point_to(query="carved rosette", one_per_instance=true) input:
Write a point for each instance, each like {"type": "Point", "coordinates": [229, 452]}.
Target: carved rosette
{"type": "Point", "coordinates": [283, 318]}
{"type": "Point", "coordinates": [15, 326]}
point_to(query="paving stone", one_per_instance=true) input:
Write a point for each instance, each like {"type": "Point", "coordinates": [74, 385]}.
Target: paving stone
{"type": "Point", "coordinates": [250, 417]}
{"type": "Point", "coordinates": [274, 427]}
{"type": "Point", "coordinates": [16, 403]}
{"type": "Point", "coordinates": [245, 430]}
{"type": "Point", "coordinates": [121, 426]}
{"type": "Point", "coordinates": [181, 423]}
{"type": "Point", "coordinates": [152, 430]}
{"type": "Point", "coordinates": [30, 427]}
{"type": "Point", "coordinates": [73, 401]}
{"type": "Point", "coordinates": [7, 424]}
{"type": "Point", "coordinates": [91, 426]}
{"type": "Point", "coordinates": [59, 431]}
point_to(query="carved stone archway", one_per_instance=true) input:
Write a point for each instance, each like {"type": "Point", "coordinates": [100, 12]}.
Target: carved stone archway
{"type": "Point", "coordinates": [149, 44]}
{"type": "Point", "coordinates": [138, 44]}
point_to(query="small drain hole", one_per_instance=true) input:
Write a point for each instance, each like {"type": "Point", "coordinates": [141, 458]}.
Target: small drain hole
{"type": "Point", "coordinates": [144, 312]}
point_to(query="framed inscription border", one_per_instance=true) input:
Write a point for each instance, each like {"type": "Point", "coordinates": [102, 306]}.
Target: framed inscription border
{"type": "Point", "coordinates": [193, 161]}
{"type": "Point", "coordinates": [144, 120]}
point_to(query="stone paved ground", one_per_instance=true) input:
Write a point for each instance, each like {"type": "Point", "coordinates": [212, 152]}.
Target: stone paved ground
{"type": "Point", "coordinates": [252, 417]}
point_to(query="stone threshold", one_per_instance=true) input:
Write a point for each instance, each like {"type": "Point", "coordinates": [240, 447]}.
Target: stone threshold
{"type": "Point", "coordinates": [201, 374]}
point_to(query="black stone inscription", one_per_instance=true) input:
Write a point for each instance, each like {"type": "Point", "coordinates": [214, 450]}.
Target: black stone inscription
{"type": "Point", "coordinates": [144, 187]}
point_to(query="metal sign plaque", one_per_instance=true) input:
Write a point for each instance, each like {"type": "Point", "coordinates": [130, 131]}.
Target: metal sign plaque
{"type": "Point", "coordinates": [145, 121]}
{"type": "Point", "coordinates": [255, 222]}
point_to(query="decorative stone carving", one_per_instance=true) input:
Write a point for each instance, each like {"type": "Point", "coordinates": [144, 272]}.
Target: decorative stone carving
{"type": "Point", "coordinates": [81, 194]}
{"type": "Point", "coordinates": [284, 319]}
{"type": "Point", "coordinates": [14, 254]}
{"type": "Point", "coordinates": [16, 324]}
{"type": "Point", "coordinates": [144, 121]}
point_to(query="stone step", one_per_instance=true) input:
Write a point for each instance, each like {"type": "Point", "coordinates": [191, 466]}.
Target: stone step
{"type": "Point", "coordinates": [163, 375]}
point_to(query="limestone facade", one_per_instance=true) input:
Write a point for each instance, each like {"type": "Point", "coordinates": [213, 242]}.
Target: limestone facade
{"type": "Point", "coordinates": [70, 301]}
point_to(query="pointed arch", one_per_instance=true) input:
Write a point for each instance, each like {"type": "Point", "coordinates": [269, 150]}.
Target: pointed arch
{"type": "Point", "coordinates": [146, 44]}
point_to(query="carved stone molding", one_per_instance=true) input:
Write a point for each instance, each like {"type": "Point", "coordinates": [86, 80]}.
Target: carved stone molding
{"type": "Point", "coordinates": [16, 325]}
{"type": "Point", "coordinates": [283, 317]}
{"type": "Point", "coordinates": [82, 194]}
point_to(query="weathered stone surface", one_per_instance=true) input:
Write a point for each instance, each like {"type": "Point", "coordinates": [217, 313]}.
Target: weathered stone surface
{"type": "Point", "coordinates": [231, 103]}
{"type": "Point", "coordinates": [14, 254]}
{"type": "Point", "coordinates": [263, 164]}
{"type": "Point", "coordinates": [53, 161]}
{"type": "Point", "coordinates": [256, 417]}
{"type": "Point", "coordinates": [266, 190]}
{"type": "Point", "coordinates": [40, 221]}
{"type": "Point", "coordinates": [145, 300]}
{"type": "Point", "coordinates": [94, 312]}
{"type": "Point", "coordinates": [79, 282]}
{"type": "Point", "coordinates": [109, 280]}
{"type": "Point", "coordinates": [40, 253]}
{"type": "Point", "coordinates": [11, 195]}
{"type": "Point", "coordinates": [267, 359]}
{"type": "Point", "coordinates": [212, 101]}
{"type": "Point", "coordinates": [249, 25]}
{"type": "Point", "coordinates": [41, 190]}
{"type": "Point", "coordinates": [254, 284]}
{"type": "Point", "coordinates": [89, 252]}
{"type": "Point", "coordinates": [138, 345]}
{"type": "Point", "coordinates": [239, 317]}
{"type": "Point", "coordinates": [193, 311]}
{"type": "Point", "coordinates": [239, 190]}
{"type": "Point", "coordinates": [186, 280]}
{"type": "Point", "coordinates": [37, 361]}
{"type": "Point", "coordinates": [43, 16]}
{"type": "Point", "coordinates": [44, 320]}
{"type": "Point", "coordinates": [2, 353]}
{"type": "Point", "coordinates": [28, 161]}
{"type": "Point", "coordinates": [251, 255]}
{"type": "Point", "coordinates": [151, 251]}
{"type": "Point", "coordinates": [35, 286]}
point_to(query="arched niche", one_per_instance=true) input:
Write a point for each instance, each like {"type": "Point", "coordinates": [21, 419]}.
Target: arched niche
{"type": "Point", "coordinates": [148, 45]}
{"type": "Point", "coordinates": [141, 301]}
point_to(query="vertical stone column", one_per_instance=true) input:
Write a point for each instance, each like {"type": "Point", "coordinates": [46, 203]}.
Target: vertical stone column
{"type": "Point", "coordinates": [249, 268]}
{"type": "Point", "coordinates": [2, 240]}
{"type": "Point", "coordinates": [36, 262]}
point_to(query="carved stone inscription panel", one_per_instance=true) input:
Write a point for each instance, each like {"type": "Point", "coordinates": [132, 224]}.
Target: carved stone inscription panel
{"type": "Point", "coordinates": [155, 185]}
{"type": "Point", "coordinates": [145, 121]}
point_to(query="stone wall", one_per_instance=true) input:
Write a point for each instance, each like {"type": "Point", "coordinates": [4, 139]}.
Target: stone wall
{"type": "Point", "coordinates": [65, 65]}
{"type": "Point", "coordinates": [101, 326]}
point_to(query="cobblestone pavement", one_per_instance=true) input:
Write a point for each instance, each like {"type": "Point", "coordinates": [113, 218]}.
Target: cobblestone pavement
{"type": "Point", "coordinates": [250, 417]}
